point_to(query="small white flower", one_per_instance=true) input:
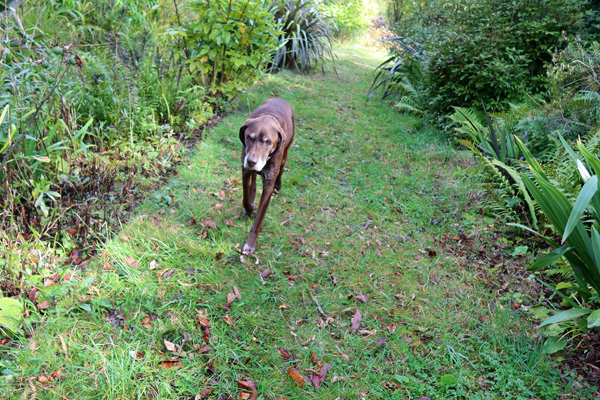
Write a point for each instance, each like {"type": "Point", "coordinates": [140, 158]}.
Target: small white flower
{"type": "Point", "coordinates": [583, 171]}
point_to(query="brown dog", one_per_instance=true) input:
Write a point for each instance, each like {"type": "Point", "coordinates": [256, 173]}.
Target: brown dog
{"type": "Point", "coordinates": [266, 137]}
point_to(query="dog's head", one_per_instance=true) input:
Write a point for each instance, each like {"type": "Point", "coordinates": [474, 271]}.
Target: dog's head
{"type": "Point", "coordinates": [262, 139]}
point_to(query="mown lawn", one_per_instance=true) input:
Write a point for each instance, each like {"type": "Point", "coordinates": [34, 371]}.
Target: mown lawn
{"type": "Point", "coordinates": [375, 275]}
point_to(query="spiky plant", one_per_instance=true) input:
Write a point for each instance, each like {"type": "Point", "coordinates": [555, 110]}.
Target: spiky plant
{"type": "Point", "coordinates": [400, 76]}
{"type": "Point", "coordinates": [307, 36]}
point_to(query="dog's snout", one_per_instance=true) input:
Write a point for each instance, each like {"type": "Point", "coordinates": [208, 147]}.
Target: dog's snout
{"type": "Point", "coordinates": [250, 162]}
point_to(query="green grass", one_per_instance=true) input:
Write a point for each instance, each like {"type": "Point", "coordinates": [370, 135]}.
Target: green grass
{"type": "Point", "coordinates": [373, 204]}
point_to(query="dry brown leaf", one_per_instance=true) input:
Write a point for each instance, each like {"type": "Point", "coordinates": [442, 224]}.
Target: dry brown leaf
{"type": "Point", "coordinates": [204, 349]}
{"type": "Point", "coordinates": [227, 319]}
{"type": "Point", "coordinates": [43, 305]}
{"type": "Point", "coordinates": [168, 364]}
{"type": "Point", "coordinates": [32, 345]}
{"type": "Point", "coordinates": [230, 297]}
{"type": "Point", "coordinates": [356, 320]}
{"type": "Point", "coordinates": [153, 264]}
{"type": "Point", "coordinates": [339, 379]}
{"type": "Point", "coordinates": [237, 293]}
{"type": "Point", "coordinates": [362, 297]}
{"type": "Point", "coordinates": [170, 346]}
{"type": "Point", "coordinates": [131, 261]}
{"type": "Point", "coordinates": [248, 385]}
{"type": "Point", "coordinates": [266, 273]}
{"type": "Point", "coordinates": [319, 378]}
{"type": "Point", "coordinates": [284, 353]}
{"type": "Point", "coordinates": [210, 224]}
{"type": "Point", "coordinates": [63, 345]}
{"type": "Point", "coordinates": [314, 357]}
{"type": "Point", "coordinates": [297, 377]}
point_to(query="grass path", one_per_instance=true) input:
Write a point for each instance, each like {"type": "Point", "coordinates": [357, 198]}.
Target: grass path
{"type": "Point", "coordinates": [374, 218]}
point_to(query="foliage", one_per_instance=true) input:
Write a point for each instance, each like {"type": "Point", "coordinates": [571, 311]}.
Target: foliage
{"type": "Point", "coordinates": [226, 43]}
{"type": "Point", "coordinates": [496, 147]}
{"type": "Point", "coordinates": [84, 125]}
{"type": "Point", "coordinates": [306, 40]}
{"type": "Point", "coordinates": [577, 222]}
{"type": "Point", "coordinates": [487, 51]}
{"type": "Point", "coordinates": [401, 78]}
{"type": "Point", "coordinates": [11, 315]}
{"type": "Point", "coordinates": [162, 293]}
{"type": "Point", "coordinates": [349, 17]}
{"type": "Point", "coordinates": [580, 238]}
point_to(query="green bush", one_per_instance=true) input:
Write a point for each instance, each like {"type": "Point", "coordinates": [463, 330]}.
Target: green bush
{"type": "Point", "coordinates": [489, 51]}
{"type": "Point", "coordinates": [349, 17]}
{"type": "Point", "coordinates": [307, 35]}
{"type": "Point", "coordinates": [226, 44]}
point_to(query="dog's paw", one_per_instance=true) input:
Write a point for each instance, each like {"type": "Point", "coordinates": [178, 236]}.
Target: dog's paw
{"type": "Point", "coordinates": [248, 250]}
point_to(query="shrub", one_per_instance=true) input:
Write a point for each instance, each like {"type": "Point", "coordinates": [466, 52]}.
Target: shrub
{"type": "Point", "coordinates": [306, 38]}
{"type": "Point", "coordinates": [487, 51]}
{"type": "Point", "coordinates": [349, 17]}
{"type": "Point", "coordinates": [226, 43]}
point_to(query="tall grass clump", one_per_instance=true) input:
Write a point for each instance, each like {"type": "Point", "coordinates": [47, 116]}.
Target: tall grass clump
{"type": "Point", "coordinates": [307, 35]}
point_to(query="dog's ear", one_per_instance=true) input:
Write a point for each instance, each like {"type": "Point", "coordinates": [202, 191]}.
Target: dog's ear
{"type": "Point", "coordinates": [279, 142]}
{"type": "Point", "coordinates": [243, 134]}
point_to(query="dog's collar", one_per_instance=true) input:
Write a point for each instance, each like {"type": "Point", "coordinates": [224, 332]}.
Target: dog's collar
{"type": "Point", "coordinates": [274, 119]}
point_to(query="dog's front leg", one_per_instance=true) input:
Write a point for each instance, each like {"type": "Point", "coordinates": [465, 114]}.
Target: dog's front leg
{"type": "Point", "coordinates": [249, 190]}
{"type": "Point", "coordinates": [265, 199]}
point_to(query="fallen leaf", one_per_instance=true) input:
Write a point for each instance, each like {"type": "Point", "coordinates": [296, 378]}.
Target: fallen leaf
{"type": "Point", "coordinates": [237, 293]}
{"type": "Point", "coordinates": [33, 294]}
{"type": "Point", "coordinates": [32, 345]}
{"type": "Point", "coordinates": [266, 273]}
{"type": "Point", "coordinates": [297, 377]}
{"type": "Point", "coordinates": [313, 357]}
{"type": "Point", "coordinates": [432, 253]}
{"type": "Point", "coordinates": [317, 379]}
{"type": "Point", "coordinates": [284, 306]}
{"type": "Point", "coordinates": [248, 385]}
{"type": "Point", "coordinates": [230, 297]}
{"type": "Point", "coordinates": [339, 378]}
{"type": "Point", "coordinates": [56, 374]}
{"type": "Point", "coordinates": [210, 224]}
{"type": "Point", "coordinates": [131, 262]}
{"type": "Point", "coordinates": [284, 353]}
{"type": "Point", "coordinates": [230, 223]}
{"type": "Point", "coordinates": [381, 341]}
{"type": "Point", "coordinates": [204, 349]}
{"type": "Point", "coordinates": [356, 320]}
{"type": "Point", "coordinates": [362, 298]}
{"type": "Point", "coordinates": [194, 271]}
{"type": "Point", "coordinates": [153, 264]}
{"type": "Point", "coordinates": [44, 379]}
{"type": "Point", "coordinates": [67, 277]}
{"type": "Point", "coordinates": [43, 305]}
{"type": "Point", "coordinates": [204, 322]}
{"type": "Point", "coordinates": [170, 346]}
{"type": "Point", "coordinates": [227, 319]}
{"type": "Point", "coordinates": [168, 364]}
